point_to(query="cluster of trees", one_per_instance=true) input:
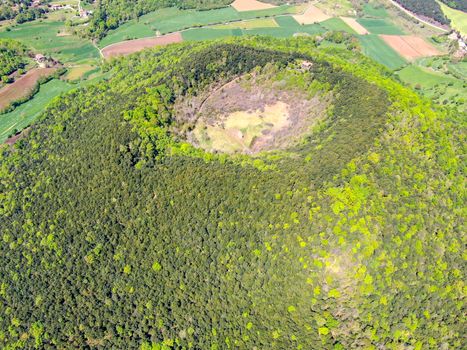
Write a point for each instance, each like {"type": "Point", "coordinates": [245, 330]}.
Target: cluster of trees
{"type": "Point", "coordinates": [13, 56]}
{"type": "Point", "coordinates": [114, 234]}
{"type": "Point", "coordinates": [425, 8]}
{"type": "Point", "coordinates": [20, 10]}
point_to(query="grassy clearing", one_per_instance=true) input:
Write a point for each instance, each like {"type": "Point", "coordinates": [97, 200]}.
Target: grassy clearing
{"type": "Point", "coordinates": [241, 128]}
{"type": "Point", "coordinates": [336, 7]}
{"type": "Point", "coordinates": [172, 19]}
{"type": "Point", "coordinates": [442, 88]}
{"type": "Point", "coordinates": [197, 34]}
{"type": "Point", "coordinates": [375, 48]}
{"type": "Point", "coordinates": [338, 25]}
{"type": "Point", "coordinates": [458, 18]}
{"type": "Point", "coordinates": [78, 72]}
{"type": "Point", "coordinates": [26, 113]}
{"type": "Point", "coordinates": [42, 37]}
{"type": "Point", "coordinates": [371, 10]}
{"type": "Point", "coordinates": [254, 23]}
{"type": "Point", "coordinates": [380, 26]}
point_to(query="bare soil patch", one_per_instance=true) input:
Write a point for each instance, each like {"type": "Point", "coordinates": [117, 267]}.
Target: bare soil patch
{"type": "Point", "coordinates": [311, 15]}
{"type": "Point", "coordinates": [352, 22]}
{"type": "Point", "coordinates": [410, 47]}
{"type": "Point", "coordinates": [131, 46]}
{"type": "Point", "coordinates": [23, 86]}
{"type": "Point", "coordinates": [250, 5]}
{"type": "Point", "coordinates": [248, 116]}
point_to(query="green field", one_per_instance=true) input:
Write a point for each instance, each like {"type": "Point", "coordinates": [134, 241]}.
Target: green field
{"type": "Point", "coordinates": [196, 34]}
{"type": "Point", "coordinates": [375, 11]}
{"type": "Point", "coordinates": [458, 18]}
{"type": "Point", "coordinates": [172, 19]}
{"type": "Point", "coordinates": [42, 37]}
{"type": "Point", "coordinates": [254, 23]}
{"type": "Point", "coordinates": [375, 48]}
{"type": "Point", "coordinates": [380, 26]}
{"type": "Point", "coordinates": [337, 24]}
{"type": "Point", "coordinates": [26, 113]}
{"type": "Point", "coordinates": [442, 81]}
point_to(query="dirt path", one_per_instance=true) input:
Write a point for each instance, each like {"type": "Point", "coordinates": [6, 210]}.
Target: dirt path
{"type": "Point", "coordinates": [23, 86]}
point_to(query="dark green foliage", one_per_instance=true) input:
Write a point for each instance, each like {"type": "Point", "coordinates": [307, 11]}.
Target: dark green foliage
{"type": "Point", "coordinates": [456, 4]}
{"type": "Point", "coordinates": [115, 235]}
{"type": "Point", "coordinates": [426, 8]}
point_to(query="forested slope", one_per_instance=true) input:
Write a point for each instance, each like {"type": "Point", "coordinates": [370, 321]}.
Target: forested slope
{"type": "Point", "coordinates": [116, 234]}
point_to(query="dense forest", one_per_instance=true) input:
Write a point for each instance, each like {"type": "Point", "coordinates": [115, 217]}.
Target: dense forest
{"type": "Point", "coordinates": [13, 56]}
{"type": "Point", "coordinates": [456, 4]}
{"type": "Point", "coordinates": [118, 234]}
{"type": "Point", "coordinates": [425, 8]}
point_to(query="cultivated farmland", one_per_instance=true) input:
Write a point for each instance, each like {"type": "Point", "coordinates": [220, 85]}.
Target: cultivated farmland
{"type": "Point", "coordinates": [128, 47]}
{"type": "Point", "coordinates": [44, 37]}
{"type": "Point", "coordinates": [250, 5]}
{"type": "Point", "coordinates": [23, 86]}
{"type": "Point", "coordinates": [410, 47]}
{"type": "Point", "coordinates": [375, 47]}
{"type": "Point", "coordinates": [26, 113]}
{"type": "Point", "coordinates": [380, 26]}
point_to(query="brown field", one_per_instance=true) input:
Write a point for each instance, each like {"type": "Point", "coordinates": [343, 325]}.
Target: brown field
{"type": "Point", "coordinates": [23, 86]}
{"type": "Point", "coordinates": [311, 15]}
{"type": "Point", "coordinates": [410, 47]}
{"type": "Point", "coordinates": [250, 5]}
{"type": "Point", "coordinates": [352, 23]}
{"type": "Point", "coordinates": [128, 47]}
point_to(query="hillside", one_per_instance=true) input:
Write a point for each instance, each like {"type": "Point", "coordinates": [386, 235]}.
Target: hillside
{"type": "Point", "coordinates": [118, 232]}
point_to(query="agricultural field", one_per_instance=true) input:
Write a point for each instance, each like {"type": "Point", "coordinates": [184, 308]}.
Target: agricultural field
{"type": "Point", "coordinates": [375, 47]}
{"type": "Point", "coordinates": [380, 26]}
{"type": "Point", "coordinates": [172, 19]}
{"type": "Point", "coordinates": [337, 24]}
{"type": "Point", "coordinates": [439, 79]}
{"type": "Point", "coordinates": [250, 24]}
{"type": "Point", "coordinates": [410, 47]}
{"type": "Point", "coordinates": [44, 36]}
{"type": "Point", "coordinates": [458, 18]}
{"type": "Point", "coordinates": [25, 114]}
{"type": "Point", "coordinates": [23, 86]}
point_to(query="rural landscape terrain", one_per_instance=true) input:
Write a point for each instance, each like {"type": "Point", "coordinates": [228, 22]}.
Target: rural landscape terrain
{"type": "Point", "coordinates": [233, 174]}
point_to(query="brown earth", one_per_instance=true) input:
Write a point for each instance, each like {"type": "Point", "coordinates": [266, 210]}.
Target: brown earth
{"type": "Point", "coordinates": [250, 5]}
{"type": "Point", "coordinates": [352, 23]}
{"type": "Point", "coordinates": [410, 47]}
{"type": "Point", "coordinates": [23, 86]}
{"type": "Point", "coordinates": [131, 46]}
{"type": "Point", "coordinates": [221, 116]}
{"type": "Point", "coordinates": [311, 15]}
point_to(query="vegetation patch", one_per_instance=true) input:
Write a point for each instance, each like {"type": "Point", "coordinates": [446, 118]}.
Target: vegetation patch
{"type": "Point", "coordinates": [26, 113]}
{"type": "Point", "coordinates": [380, 26]}
{"type": "Point", "coordinates": [253, 113]}
{"type": "Point", "coordinates": [349, 239]}
{"type": "Point", "coordinates": [23, 86]}
{"type": "Point", "coordinates": [375, 47]}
